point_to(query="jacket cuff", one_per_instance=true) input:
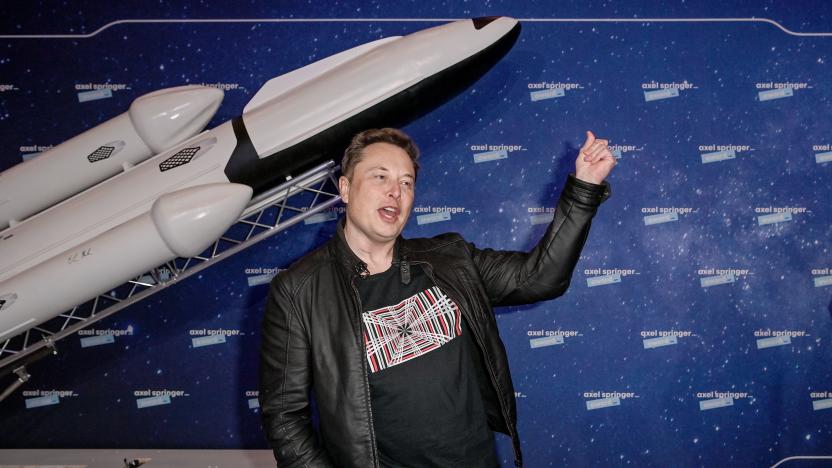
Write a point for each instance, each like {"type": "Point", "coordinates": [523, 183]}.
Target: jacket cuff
{"type": "Point", "coordinates": [585, 192]}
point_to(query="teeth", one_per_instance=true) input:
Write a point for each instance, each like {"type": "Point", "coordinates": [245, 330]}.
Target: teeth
{"type": "Point", "coordinates": [389, 210]}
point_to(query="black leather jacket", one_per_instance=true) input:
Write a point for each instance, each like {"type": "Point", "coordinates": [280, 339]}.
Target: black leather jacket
{"type": "Point", "coordinates": [312, 339]}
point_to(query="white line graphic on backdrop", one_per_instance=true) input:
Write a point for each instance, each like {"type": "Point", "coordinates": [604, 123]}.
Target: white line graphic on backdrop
{"type": "Point", "coordinates": [410, 20]}
{"type": "Point", "coordinates": [802, 457]}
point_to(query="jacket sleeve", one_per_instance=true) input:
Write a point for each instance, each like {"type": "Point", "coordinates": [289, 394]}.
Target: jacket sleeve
{"type": "Point", "coordinates": [285, 381]}
{"type": "Point", "coordinates": [513, 278]}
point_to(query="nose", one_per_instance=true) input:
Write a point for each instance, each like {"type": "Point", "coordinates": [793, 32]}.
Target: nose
{"type": "Point", "coordinates": [394, 190]}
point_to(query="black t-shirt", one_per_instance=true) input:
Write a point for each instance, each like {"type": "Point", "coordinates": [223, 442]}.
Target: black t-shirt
{"type": "Point", "coordinates": [427, 406]}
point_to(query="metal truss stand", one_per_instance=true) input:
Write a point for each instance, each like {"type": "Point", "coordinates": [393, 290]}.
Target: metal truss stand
{"type": "Point", "coordinates": [269, 213]}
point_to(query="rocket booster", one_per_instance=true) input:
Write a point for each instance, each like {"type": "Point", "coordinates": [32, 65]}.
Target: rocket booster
{"type": "Point", "coordinates": [154, 123]}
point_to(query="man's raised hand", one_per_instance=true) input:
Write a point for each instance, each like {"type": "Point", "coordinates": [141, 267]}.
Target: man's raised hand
{"type": "Point", "coordinates": [595, 160]}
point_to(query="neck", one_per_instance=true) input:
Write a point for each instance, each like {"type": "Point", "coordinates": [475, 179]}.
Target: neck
{"type": "Point", "coordinates": [377, 255]}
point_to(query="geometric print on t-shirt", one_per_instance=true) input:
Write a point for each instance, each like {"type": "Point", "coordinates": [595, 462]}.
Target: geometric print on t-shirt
{"type": "Point", "coordinates": [416, 326]}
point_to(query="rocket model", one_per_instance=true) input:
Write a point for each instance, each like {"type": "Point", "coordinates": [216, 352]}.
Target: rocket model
{"type": "Point", "coordinates": [178, 202]}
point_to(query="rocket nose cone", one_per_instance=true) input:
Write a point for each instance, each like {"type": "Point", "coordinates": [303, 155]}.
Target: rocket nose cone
{"type": "Point", "coordinates": [189, 220]}
{"type": "Point", "coordinates": [483, 21]}
{"type": "Point", "coordinates": [165, 117]}
{"type": "Point", "coordinates": [497, 26]}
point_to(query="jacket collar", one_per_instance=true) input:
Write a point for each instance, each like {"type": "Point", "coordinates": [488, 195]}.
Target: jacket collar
{"type": "Point", "coordinates": [346, 257]}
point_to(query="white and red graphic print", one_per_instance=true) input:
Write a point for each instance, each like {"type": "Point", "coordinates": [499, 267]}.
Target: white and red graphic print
{"type": "Point", "coordinates": [416, 326]}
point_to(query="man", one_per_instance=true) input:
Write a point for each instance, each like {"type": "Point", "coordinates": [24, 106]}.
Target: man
{"type": "Point", "coordinates": [397, 337]}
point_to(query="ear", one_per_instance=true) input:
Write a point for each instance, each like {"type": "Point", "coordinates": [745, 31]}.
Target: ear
{"type": "Point", "coordinates": [344, 188]}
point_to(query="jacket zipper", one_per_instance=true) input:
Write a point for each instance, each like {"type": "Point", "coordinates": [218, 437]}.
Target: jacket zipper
{"type": "Point", "coordinates": [429, 271]}
{"type": "Point", "coordinates": [357, 298]}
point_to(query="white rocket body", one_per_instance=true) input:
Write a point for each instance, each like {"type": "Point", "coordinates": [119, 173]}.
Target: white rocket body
{"type": "Point", "coordinates": [76, 249]}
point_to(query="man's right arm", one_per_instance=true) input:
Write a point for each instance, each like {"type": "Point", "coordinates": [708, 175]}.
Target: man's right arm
{"type": "Point", "coordinates": [285, 380]}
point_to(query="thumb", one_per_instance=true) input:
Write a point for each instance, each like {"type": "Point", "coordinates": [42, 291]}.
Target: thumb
{"type": "Point", "coordinates": [590, 139]}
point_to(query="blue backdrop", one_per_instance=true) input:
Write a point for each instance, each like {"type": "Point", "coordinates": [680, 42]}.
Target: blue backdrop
{"type": "Point", "coordinates": [697, 327]}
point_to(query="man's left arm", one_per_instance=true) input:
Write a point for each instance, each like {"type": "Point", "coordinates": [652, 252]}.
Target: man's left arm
{"type": "Point", "coordinates": [512, 278]}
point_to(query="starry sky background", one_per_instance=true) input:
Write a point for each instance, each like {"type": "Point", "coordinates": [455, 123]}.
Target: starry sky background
{"type": "Point", "coordinates": [663, 425]}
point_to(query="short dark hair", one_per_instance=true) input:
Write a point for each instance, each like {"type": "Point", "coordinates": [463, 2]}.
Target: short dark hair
{"type": "Point", "coordinates": [393, 136]}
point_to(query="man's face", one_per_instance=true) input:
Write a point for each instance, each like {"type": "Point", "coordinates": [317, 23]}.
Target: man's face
{"type": "Point", "coordinates": [379, 195]}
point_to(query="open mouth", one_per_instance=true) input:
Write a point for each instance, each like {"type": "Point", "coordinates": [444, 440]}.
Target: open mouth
{"type": "Point", "coordinates": [389, 213]}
